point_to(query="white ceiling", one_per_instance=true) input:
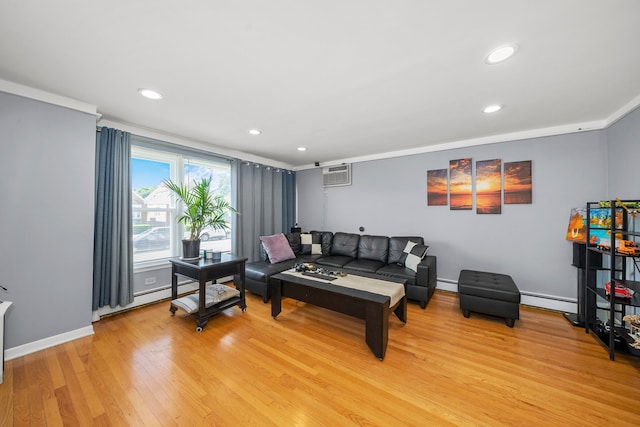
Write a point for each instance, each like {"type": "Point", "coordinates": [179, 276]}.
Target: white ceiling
{"type": "Point", "coordinates": [345, 78]}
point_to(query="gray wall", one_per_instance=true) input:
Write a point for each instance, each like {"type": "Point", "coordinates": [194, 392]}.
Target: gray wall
{"type": "Point", "coordinates": [388, 197]}
{"type": "Point", "coordinates": [46, 218]}
{"type": "Point", "coordinates": [623, 139]}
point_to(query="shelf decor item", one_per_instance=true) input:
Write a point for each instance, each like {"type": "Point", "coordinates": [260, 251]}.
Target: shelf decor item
{"type": "Point", "coordinates": [633, 320]}
{"type": "Point", "coordinates": [577, 229]}
{"type": "Point", "coordinates": [600, 225]}
{"type": "Point", "coordinates": [202, 209]}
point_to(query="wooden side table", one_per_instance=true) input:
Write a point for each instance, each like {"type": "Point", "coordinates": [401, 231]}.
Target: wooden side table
{"type": "Point", "coordinates": [204, 271]}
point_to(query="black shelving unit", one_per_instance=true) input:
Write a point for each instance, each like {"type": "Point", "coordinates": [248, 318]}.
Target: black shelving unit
{"type": "Point", "coordinates": [579, 261]}
{"type": "Point", "coordinates": [604, 313]}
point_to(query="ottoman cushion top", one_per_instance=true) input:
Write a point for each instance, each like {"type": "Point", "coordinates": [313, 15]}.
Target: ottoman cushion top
{"type": "Point", "coordinates": [493, 286]}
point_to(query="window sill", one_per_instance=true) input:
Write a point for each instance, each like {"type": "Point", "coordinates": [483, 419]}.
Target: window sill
{"type": "Point", "coordinates": [156, 264]}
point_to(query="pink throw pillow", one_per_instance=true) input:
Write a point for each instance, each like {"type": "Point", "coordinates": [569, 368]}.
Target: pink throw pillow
{"type": "Point", "coordinates": [277, 247]}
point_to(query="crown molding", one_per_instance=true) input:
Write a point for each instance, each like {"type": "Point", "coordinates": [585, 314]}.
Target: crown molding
{"type": "Point", "coordinates": [465, 143]}
{"type": "Point", "coordinates": [47, 97]}
{"type": "Point", "coordinates": [623, 111]}
{"type": "Point", "coordinates": [494, 139]}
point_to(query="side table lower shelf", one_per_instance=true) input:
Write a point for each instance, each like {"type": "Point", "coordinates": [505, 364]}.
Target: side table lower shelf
{"type": "Point", "coordinates": [203, 319]}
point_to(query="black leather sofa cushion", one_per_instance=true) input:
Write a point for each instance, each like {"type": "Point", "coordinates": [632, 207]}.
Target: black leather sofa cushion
{"type": "Point", "coordinates": [364, 265]}
{"type": "Point", "coordinates": [397, 245]}
{"type": "Point", "coordinates": [374, 248]}
{"type": "Point", "coordinates": [345, 244]}
{"type": "Point", "coordinates": [295, 243]}
{"type": "Point", "coordinates": [263, 252]}
{"type": "Point", "coordinates": [260, 270]}
{"type": "Point", "coordinates": [398, 272]}
{"type": "Point", "coordinates": [337, 261]}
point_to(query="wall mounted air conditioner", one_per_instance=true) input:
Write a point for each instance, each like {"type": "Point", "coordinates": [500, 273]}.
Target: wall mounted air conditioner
{"type": "Point", "coordinates": [335, 176]}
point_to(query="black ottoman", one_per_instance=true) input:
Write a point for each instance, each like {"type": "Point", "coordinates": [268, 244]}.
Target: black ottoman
{"type": "Point", "coordinates": [489, 293]}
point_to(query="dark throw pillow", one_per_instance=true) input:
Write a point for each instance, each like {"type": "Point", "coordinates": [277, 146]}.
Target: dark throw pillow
{"type": "Point", "coordinates": [412, 255]}
{"type": "Point", "coordinates": [311, 243]}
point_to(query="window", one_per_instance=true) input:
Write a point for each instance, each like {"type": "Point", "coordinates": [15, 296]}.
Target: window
{"type": "Point", "coordinates": [156, 234]}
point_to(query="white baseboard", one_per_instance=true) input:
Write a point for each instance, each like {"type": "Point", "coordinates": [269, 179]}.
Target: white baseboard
{"type": "Point", "coordinates": [144, 299]}
{"type": "Point", "coordinates": [44, 343]}
{"type": "Point", "coordinates": [32, 347]}
{"type": "Point", "coordinates": [447, 286]}
{"type": "Point", "coordinates": [548, 302]}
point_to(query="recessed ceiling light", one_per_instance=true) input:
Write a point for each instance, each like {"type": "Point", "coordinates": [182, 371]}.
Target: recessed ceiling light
{"type": "Point", "coordinates": [255, 132]}
{"type": "Point", "coordinates": [150, 93]}
{"type": "Point", "coordinates": [302, 149]}
{"type": "Point", "coordinates": [500, 54]}
{"type": "Point", "coordinates": [492, 108]}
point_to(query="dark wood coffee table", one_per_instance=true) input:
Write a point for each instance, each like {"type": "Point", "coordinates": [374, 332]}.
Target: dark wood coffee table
{"type": "Point", "coordinates": [371, 307]}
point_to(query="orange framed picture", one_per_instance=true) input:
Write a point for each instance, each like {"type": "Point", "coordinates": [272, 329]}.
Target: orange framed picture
{"type": "Point", "coordinates": [437, 185]}
{"type": "Point", "coordinates": [460, 185]}
{"type": "Point", "coordinates": [518, 187]}
{"type": "Point", "coordinates": [489, 186]}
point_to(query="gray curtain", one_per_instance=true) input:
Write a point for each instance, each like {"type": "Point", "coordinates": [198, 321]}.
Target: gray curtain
{"type": "Point", "coordinates": [265, 199]}
{"type": "Point", "coordinates": [112, 246]}
{"type": "Point", "coordinates": [288, 201]}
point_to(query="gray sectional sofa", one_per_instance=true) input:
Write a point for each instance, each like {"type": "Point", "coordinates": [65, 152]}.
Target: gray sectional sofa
{"type": "Point", "coordinates": [352, 253]}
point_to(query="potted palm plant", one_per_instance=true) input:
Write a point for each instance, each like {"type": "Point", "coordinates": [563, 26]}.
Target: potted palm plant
{"type": "Point", "coordinates": [201, 209]}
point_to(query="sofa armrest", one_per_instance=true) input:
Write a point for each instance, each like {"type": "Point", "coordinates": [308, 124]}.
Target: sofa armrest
{"type": "Point", "coordinates": [427, 274]}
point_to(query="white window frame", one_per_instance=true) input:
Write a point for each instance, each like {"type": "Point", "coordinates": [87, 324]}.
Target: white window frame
{"type": "Point", "coordinates": [174, 166]}
{"type": "Point", "coordinates": [177, 161]}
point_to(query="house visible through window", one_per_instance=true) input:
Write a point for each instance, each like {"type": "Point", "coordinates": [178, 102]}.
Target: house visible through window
{"type": "Point", "coordinates": [156, 233]}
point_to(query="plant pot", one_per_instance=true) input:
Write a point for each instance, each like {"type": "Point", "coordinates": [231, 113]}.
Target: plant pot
{"type": "Point", "coordinates": [190, 249]}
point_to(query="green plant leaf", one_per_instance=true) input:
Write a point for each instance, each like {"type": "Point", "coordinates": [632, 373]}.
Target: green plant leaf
{"type": "Point", "coordinates": [201, 208]}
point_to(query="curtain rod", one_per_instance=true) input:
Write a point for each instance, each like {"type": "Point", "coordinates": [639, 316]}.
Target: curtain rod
{"type": "Point", "coordinates": [146, 139]}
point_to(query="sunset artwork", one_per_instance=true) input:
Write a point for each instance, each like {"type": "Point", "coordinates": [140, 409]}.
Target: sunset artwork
{"type": "Point", "coordinates": [437, 187]}
{"type": "Point", "coordinates": [489, 186]}
{"type": "Point", "coordinates": [460, 185]}
{"type": "Point", "coordinates": [517, 183]}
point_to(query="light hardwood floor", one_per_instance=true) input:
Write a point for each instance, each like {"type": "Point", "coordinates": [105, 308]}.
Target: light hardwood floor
{"type": "Point", "coordinates": [311, 367]}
